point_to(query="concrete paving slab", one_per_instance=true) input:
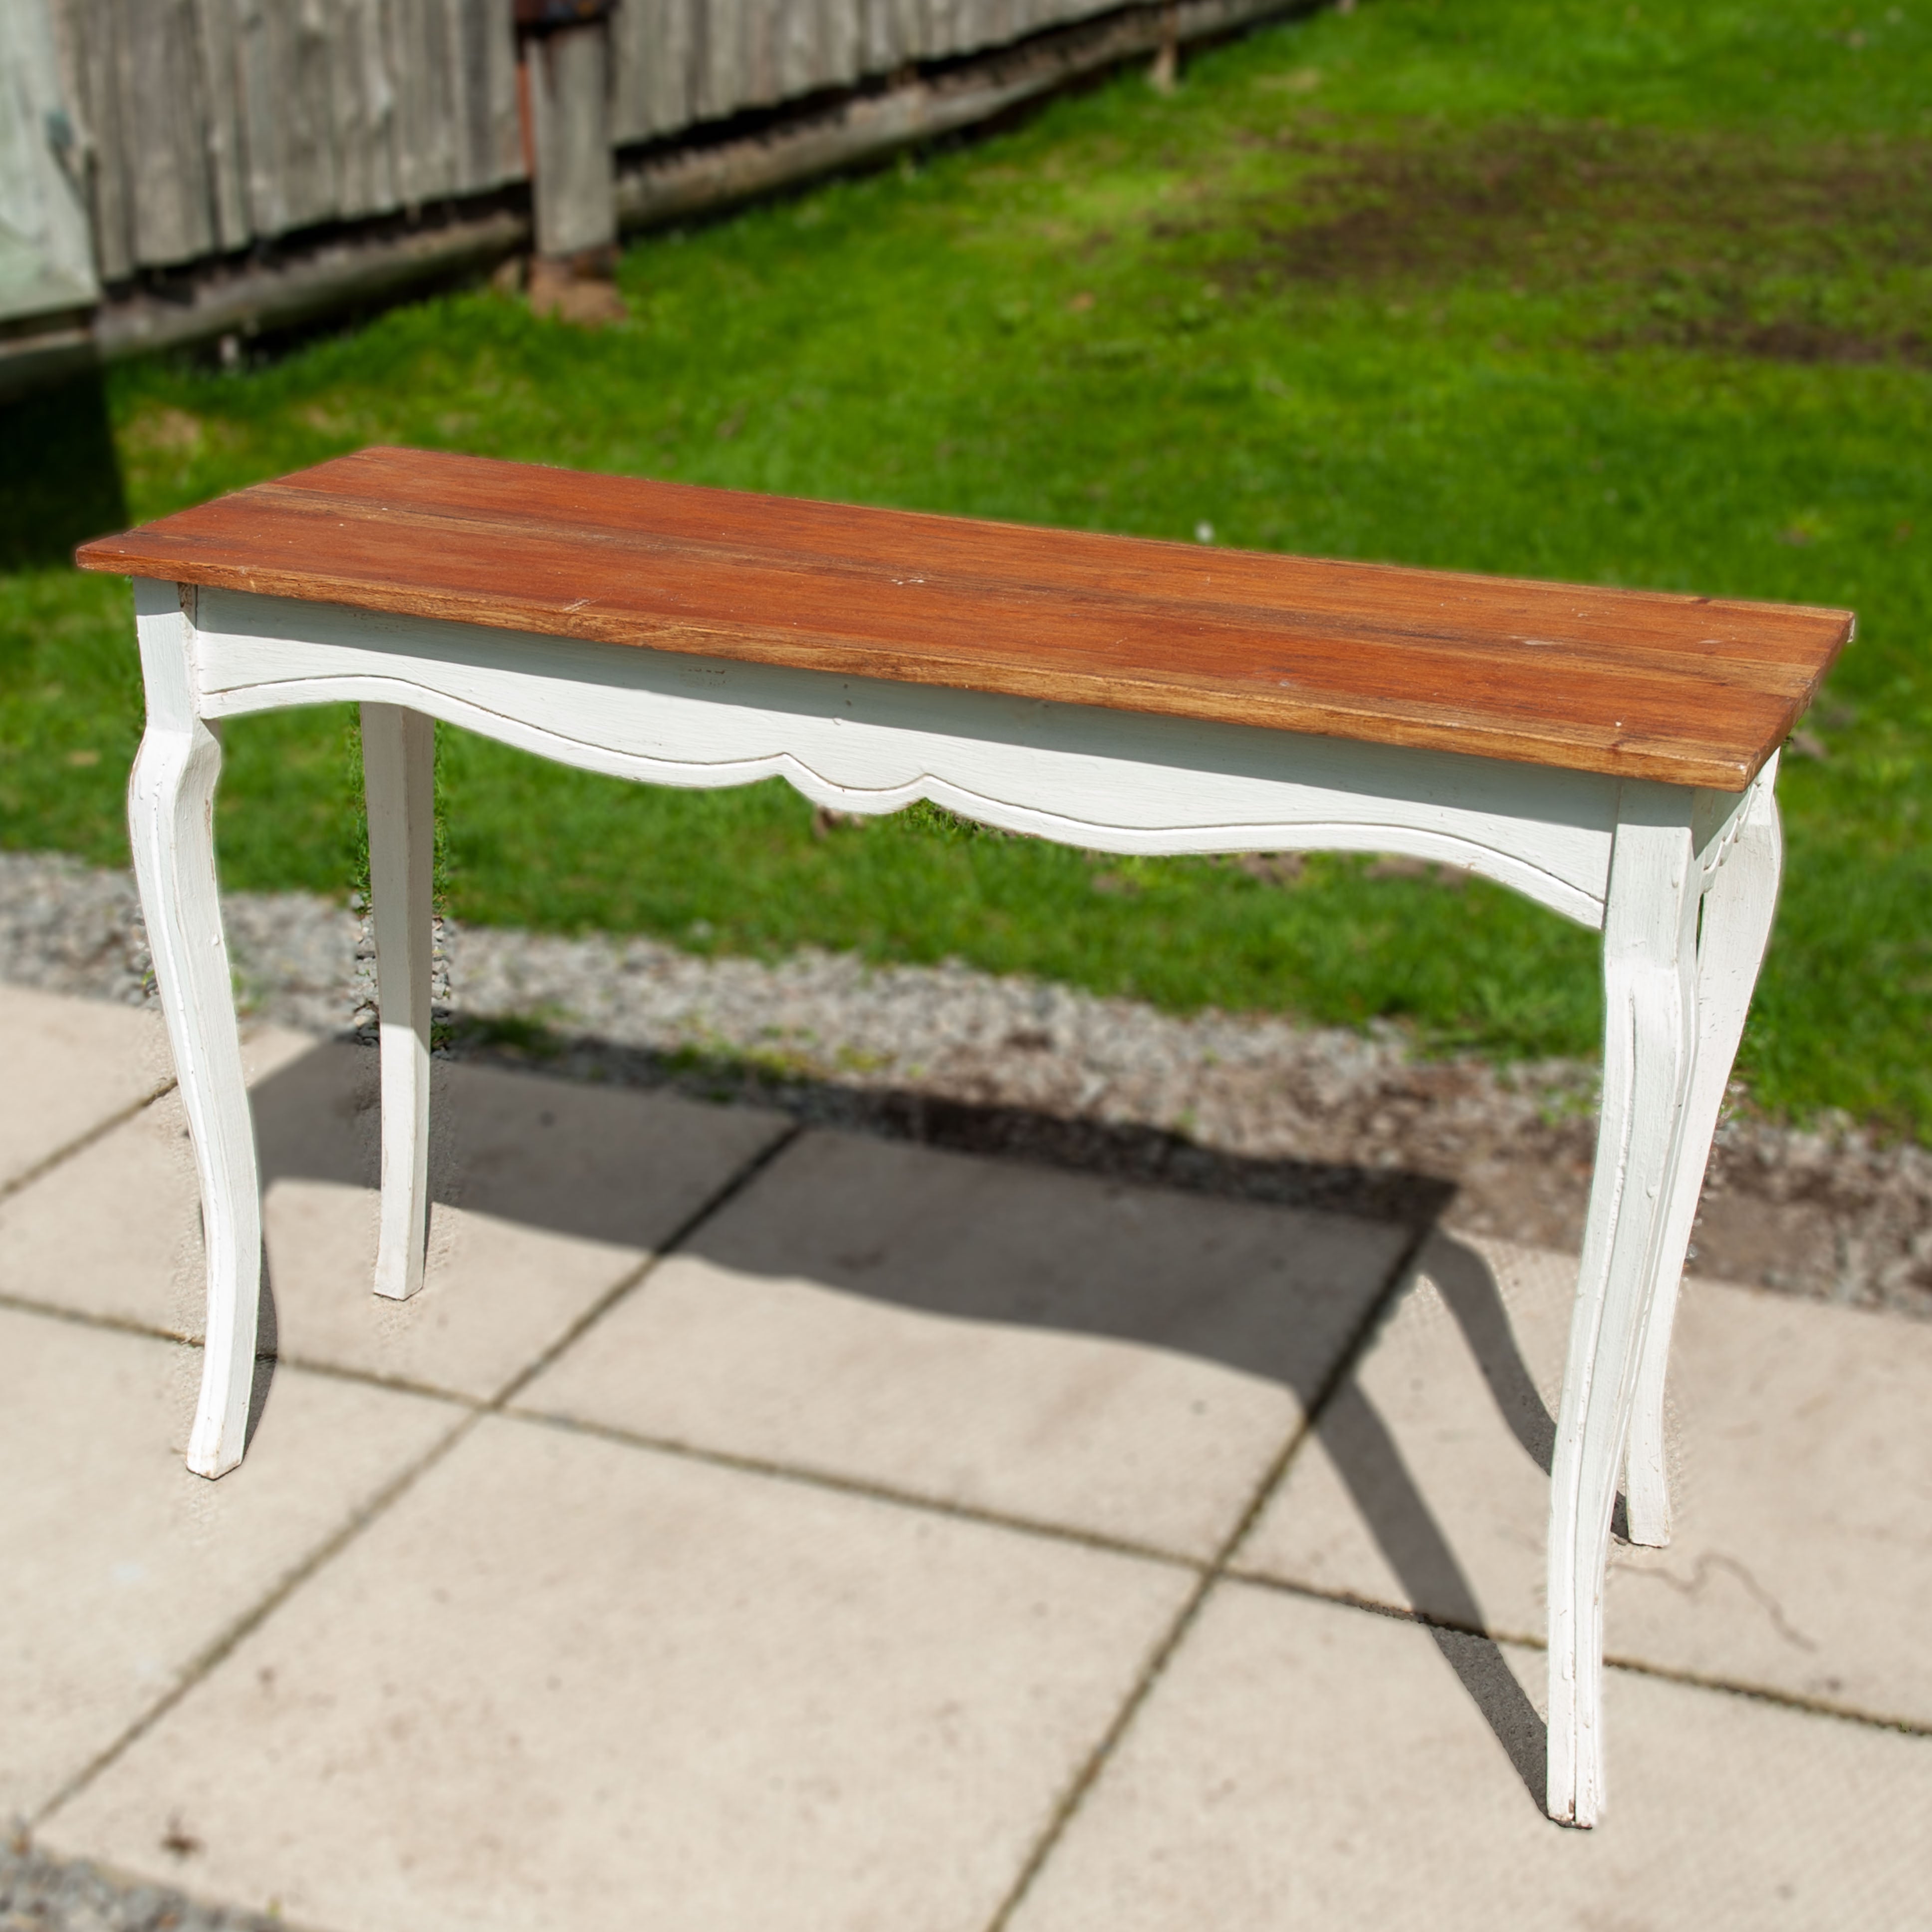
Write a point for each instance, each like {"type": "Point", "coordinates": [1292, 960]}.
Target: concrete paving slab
{"type": "Point", "coordinates": [1304, 1764]}
{"type": "Point", "coordinates": [494, 1296]}
{"type": "Point", "coordinates": [71, 1065]}
{"type": "Point", "coordinates": [115, 1230]}
{"type": "Point", "coordinates": [121, 1567]}
{"type": "Point", "coordinates": [1117, 1360]}
{"type": "Point", "coordinates": [1802, 1451]}
{"type": "Point", "coordinates": [569, 1683]}
{"type": "Point", "coordinates": [548, 1193]}
{"type": "Point", "coordinates": [605, 1164]}
{"type": "Point", "coordinates": [563, 1188]}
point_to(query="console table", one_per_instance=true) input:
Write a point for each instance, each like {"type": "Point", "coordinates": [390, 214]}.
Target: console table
{"type": "Point", "coordinates": [1610, 753]}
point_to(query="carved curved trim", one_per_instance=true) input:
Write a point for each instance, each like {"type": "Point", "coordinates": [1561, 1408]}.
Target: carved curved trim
{"type": "Point", "coordinates": [1315, 833]}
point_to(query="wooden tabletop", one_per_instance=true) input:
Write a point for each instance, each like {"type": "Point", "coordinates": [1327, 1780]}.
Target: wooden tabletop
{"type": "Point", "coordinates": [1689, 690]}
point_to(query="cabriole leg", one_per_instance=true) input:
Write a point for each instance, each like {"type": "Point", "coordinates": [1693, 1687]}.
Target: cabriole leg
{"type": "Point", "coordinates": [398, 773]}
{"type": "Point", "coordinates": [171, 819]}
{"type": "Point", "coordinates": [1736, 929]}
{"type": "Point", "coordinates": [1650, 993]}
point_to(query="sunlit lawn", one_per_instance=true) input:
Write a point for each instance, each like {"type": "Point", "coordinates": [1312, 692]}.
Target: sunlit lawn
{"type": "Point", "coordinates": [1629, 295]}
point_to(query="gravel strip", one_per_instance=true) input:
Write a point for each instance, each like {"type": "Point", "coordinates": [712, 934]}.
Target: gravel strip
{"type": "Point", "coordinates": [1254, 1106]}
{"type": "Point", "coordinates": [39, 1894]}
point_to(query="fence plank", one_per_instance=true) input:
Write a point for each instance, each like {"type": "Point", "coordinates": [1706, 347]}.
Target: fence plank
{"type": "Point", "coordinates": [363, 104]}
{"type": "Point", "coordinates": [799, 50]}
{"type": "Point", "coordinates": [159, 96]}
{"type": "Point", "coordinates": [757, 74]}
{"type": "Point", "coordinates": [83, 32]}
{"type": "Point", "coordinates": [840, 66]}
{"type": "Point", "coordinates": [722, 83]}
{"type": "Point", "coordinates": [418, 59]}
{"type": "Point", "coordinates": [676, 101]}
{"type": "Point", "coordinates": [223, 137]}
{"type": "Point", "coordinates": [287, 112]}
{"type": "Point", "coordinates": [493, 145]}
{"type": "Point", "coordinates": [903, 35]}
{"type": "Point", "coordinates": [47, 256]}
{"type": "Point", "coordinates": [633, 55]}
{"type": "Point", "coordinates": [273, 114]}
{"type": "Point", "coordinates": [255, 90]}
{"type": "Point", "coordinates": [659, 49]}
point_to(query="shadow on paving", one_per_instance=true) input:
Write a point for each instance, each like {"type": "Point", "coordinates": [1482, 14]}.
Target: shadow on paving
{"type": "Point", "coordinates": [549, 1160]}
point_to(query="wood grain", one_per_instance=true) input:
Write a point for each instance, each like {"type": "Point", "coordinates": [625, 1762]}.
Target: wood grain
{"type": "Point", "coordinates": [1686, 690]}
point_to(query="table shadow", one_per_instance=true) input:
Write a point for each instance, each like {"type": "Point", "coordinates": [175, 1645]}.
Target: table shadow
{"type": "Point", "coordinates": [316, 1120]}
{"type": "Point", "coordinates": [60, 474]}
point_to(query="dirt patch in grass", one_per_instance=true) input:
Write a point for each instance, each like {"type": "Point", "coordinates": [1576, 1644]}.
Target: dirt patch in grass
{"type": "Point", "coordinates": [1819, 253]}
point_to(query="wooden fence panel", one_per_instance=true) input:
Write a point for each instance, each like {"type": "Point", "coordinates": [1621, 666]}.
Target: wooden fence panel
{"type": "Point", "coordinates": [212, 123]}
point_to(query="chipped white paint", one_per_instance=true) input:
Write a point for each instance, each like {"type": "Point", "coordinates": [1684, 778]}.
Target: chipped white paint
{"type": "Point", "coordinates": [1682, 883]}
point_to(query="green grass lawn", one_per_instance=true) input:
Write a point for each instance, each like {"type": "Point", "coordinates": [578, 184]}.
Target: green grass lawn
{"type": "Point", "coordinates": [1638, 295]}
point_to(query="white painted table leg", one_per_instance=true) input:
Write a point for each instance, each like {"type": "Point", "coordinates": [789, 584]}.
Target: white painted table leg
{"type": "Point", "coordinates": [1734, 930]}
{"type": "Point", "coordinates": [398, 771]}
{"type": "Point", "coordinates": [171, 818]}
{"type": "Point", "coordinates": [1650, 931]}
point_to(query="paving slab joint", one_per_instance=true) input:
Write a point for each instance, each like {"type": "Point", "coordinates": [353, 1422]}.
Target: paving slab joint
{"type": "Point", "coordinates": [719, 1198]}
{"type": "Point", "coordinates": [81, 1142]}
{"type": "Point", "coordinates": [1401, 1273]}
{"type": "Point", "coordinates": [379, 1504]}
{"type": "Point", "coordinates": [871, 1491]}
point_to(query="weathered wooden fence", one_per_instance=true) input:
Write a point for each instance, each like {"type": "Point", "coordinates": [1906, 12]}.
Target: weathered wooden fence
{"type": "Point", "coordinates": [206, 125]}
{"type": "Point", "coordinates": [150, 148]}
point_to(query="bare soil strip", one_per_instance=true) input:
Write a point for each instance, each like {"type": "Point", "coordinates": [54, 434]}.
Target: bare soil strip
{"type": "Point", "coordinates": [1812, 253]}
